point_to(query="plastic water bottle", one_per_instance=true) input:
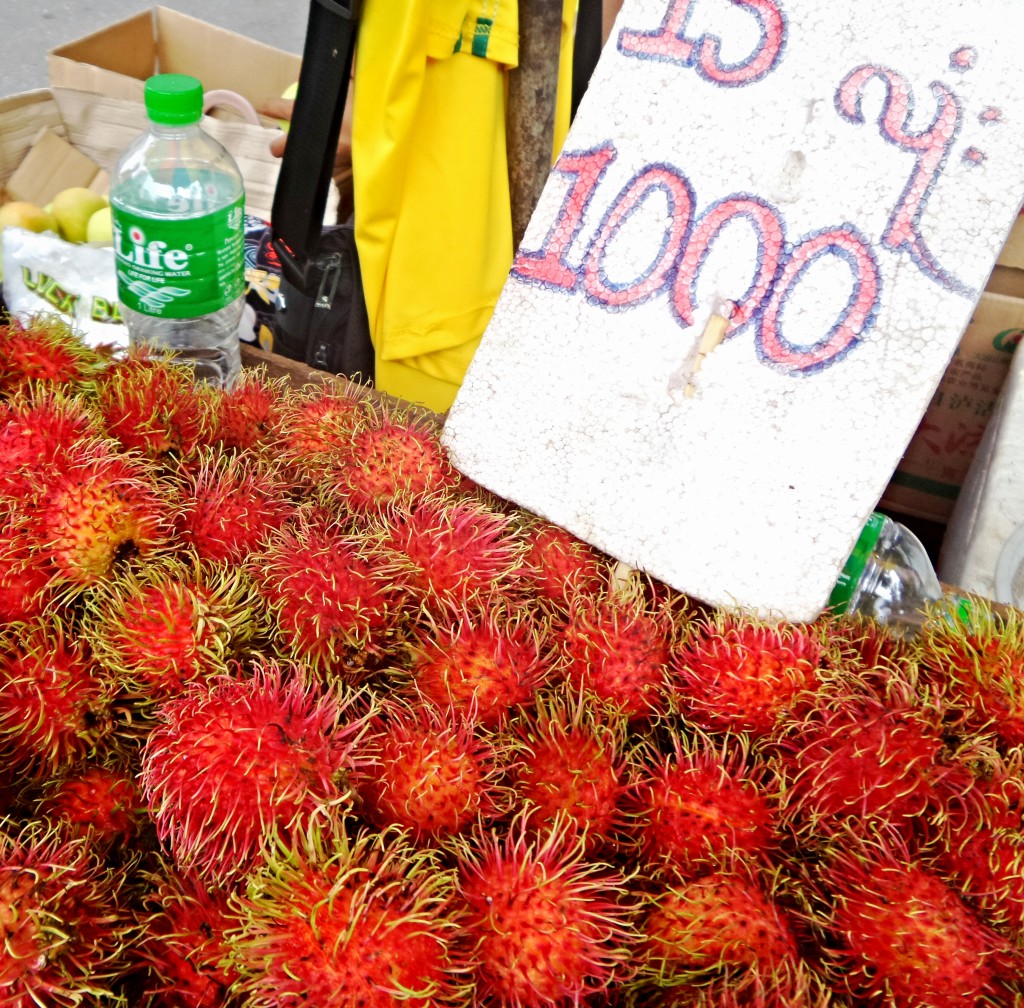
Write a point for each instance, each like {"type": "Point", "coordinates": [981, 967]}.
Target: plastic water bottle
{"type": "Point", "coordinates": [888, 577]}
{"type": "Point", "coordinates": [177, 202]}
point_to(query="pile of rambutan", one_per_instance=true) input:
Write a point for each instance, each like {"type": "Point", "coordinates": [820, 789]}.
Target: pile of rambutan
{"type": "Point", "coordinates": [292, 713]}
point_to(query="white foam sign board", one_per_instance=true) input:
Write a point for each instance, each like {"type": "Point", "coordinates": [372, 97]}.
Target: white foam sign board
{"type": "Point", "coordinates": [745, 276]}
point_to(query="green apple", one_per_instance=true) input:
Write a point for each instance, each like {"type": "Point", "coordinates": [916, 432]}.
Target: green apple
{"type": "Point", "coordinates": [73, 207]}
{"type": "Point", "coordinates": [100, 229]}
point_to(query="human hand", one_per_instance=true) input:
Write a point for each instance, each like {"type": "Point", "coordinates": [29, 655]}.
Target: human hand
{"type": "Point", "coordinates": [282, 109]}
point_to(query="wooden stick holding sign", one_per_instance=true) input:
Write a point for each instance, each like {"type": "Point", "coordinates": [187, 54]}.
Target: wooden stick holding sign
{"type": "Point", "coordinates": [842, 175]}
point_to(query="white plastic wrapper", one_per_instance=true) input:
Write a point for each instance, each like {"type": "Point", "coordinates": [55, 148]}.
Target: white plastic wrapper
{"type": "Point", "coordinates": [43, 274]}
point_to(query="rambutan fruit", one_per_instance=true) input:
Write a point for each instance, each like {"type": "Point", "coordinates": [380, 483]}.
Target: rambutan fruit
{"type": "Point", "coordinates": [547, 926]}
{"type": "Point", "coordinates": [430, 772]}
{"type": "Point", "coordinates": [570, 766]}
{"type": "Point", "coordinates": [248, 411]}
{"type": "Point", "coordinates": [617, 647]}
{"type": "Point", "coordinates": [44, 348]}
{"type": "Point", "coordinates": [726, 926]}
{"type": "Point", "coordinates": [484, 656]}
{"type": "Point", "coordinates": [740, 674]}
{"type": "Point", "coordinates": [858, 757]}
{"type": "Point", "coordinates": [233, 761]}
{"type": "Point", "coordinates": [559, 565]}
{"type": "Point", "coordinates": [36, 427]}
{"type": "Point", "coordinates": [340, 922]}
{"type": "Point", "coordinates": [183, 925]}
{"type": "Point", "coordinates": [61, 928]}
{"type": "Point", "coordinates": [392, 458]}
{"type": "Point", "coordinates": [902, 937]}
{"type": "Point", "coordinates": [95, 509]}
{"type": "Point", "coordinates": [451, 549]}
{"type": "Point", "coordinates": [698, 805]}
{"type": "Point", "coordinates": [230, 504]}
{"type": "Point", "coordinates": [55, 700]}
{"type": "Point", "coordinates": [26, 575]}
{"type": "Point", "coordinates": [315, 424]}
{"type": "Point", "coordinates": [332, 607]}
{"type": "Point", "coordinates": [95, 800]}
{"type": "Point", "coordinates": [978, 668]}
{"type": "Point", "coordinates": [151, 405]}
{"type": "Point", "coordinates": [162, 624]}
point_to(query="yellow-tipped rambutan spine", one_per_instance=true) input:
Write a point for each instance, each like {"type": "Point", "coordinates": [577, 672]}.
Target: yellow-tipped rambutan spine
{"type": "Point", "coordinates": [249, 411]}
{"type": "Point", "coordinates": [44, 349]}
{"type": "Point", "coordinates": [350, 921]}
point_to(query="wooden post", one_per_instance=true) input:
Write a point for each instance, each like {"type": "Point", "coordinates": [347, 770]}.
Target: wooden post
{"type": "Point", "coordinates": [530, 128]}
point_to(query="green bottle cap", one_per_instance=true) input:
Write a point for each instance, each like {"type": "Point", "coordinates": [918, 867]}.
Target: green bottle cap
{"type": "Point", "coordinates": [839, 600]}
{"type": "Point", "coordinates": [174, 99]}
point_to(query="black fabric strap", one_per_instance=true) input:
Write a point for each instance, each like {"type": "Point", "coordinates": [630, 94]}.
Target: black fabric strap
{"type": "Point", "coordinates": [307, 166]}
{"type": "Point", "coordinates": [586, 48]}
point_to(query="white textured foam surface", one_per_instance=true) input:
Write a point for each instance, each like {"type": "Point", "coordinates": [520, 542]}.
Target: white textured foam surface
{"type": "Point", "coordinates": [879, 146]}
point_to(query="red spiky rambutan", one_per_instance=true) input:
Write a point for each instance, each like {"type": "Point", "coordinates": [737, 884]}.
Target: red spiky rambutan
{"type": "Point", "coordinates": [313, 431]}
{"type": "Point", "coordinates": [978, 668]}
{"type": "Point", "coordinates": [571, 767]}
{"type": "Point", "coordinates": [95, 509]}
{"type": "Point", "coordinates": [55, 700]}
{"type": "Point", "coordinates": [723, 925]}
{"type": "Point", "coordinates": [169, 622]}
{"type": "Point", "coordinates": [331, 606]}
{"type": "Point", "coordinates": [739, 674]}
{"type": "Point", "coordinates": [547, 926]}
{"type": "Point", "coordinates": [248, 411]}
{"type": "Point", "coordinates": [484, 657]}
{"type": "Point", "coordinates": [431, 772]}
{"type": "Point", "coordinates": [340, 922]}
{"type": "Point", "coordinates": [393, 458]}
{"type": "Point", "coordinates": [35, 429]}
{"type": "Point", "coordinates": [26, 576]}
{"type": "Point", "coordinates": [559, 565]}
{"type": "Point", "coordinates": [451, 549]}
{"type": "Point", "coordinates": [903, 938]}
{"type": "Point", "coordinates": [44, 349]}
{"type": "Point", "coordinates": [182, 941]}
{"type": "Point", "coordinates": [103, 802]}
{"type": "Point", "coordinates": [617, 647]}
{"type": "Point", "coordinates": [61, 927]}
{"type": "Point", "coordinates": [859, 757]}
{"type": "Point", "coordinates": [235, 760]}
{"type": "Point", "coordinates": [699, 805]}
{"type": "Point", "coordinates": [230, 504]}
{"type": "Point", "coordinates": [153, 406]}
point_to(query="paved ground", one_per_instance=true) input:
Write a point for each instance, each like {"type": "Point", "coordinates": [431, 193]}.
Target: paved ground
{"type": "Point", "coordinates": [29, 29]}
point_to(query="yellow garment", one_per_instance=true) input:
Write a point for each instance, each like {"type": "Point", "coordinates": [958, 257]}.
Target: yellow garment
{"type": "Point", "coordinates": [430, 173]}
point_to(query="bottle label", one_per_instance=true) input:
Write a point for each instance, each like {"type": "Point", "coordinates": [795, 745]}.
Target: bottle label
{"type": "Point", "coordinates": [179, 268]}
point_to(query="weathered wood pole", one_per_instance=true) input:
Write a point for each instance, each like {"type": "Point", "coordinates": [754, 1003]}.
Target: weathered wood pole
{"type": "Point", "coordinates": [530, 125]}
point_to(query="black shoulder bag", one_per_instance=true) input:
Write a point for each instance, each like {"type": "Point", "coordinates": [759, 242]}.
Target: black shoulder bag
{"type": "Point", "coordinates": [321, 312]}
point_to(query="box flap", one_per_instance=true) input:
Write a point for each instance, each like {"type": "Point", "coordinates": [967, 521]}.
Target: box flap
{"type": "Point", "coordinates": [50, 166]}
{"type": "Point", "coordinates": [22, 116]}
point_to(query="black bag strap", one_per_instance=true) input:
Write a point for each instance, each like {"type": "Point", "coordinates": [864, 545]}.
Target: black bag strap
{"type": "Point", "coordinates": [307, 166]}
{"type": "Point", "coordinates": [586, 48]}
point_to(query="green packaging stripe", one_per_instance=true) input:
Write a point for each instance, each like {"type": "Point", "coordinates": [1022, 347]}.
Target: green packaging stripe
{"type": "Point", "coordinates": [180, 268]}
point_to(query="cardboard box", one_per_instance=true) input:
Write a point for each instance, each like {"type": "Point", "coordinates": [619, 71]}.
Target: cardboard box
{"type": "Point", "coordinates": [116, 60]}
{"type": "Point", "coordinates": [929, 477]}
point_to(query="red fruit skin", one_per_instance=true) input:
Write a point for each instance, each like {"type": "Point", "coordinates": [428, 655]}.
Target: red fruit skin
{"type": "Point", "coordinates": [99, 801]}
{"type": "Point", "coordinates": [183, 942]}
{"type": "Point", "coordinates": [25, 575]}
{"type": "Point", "coordinates": [55, 702]}
{"type": "Point", "coordinates": [61, 926]}
{"type": "Point", "coordinates": [234, 760]}
{"type": "Point", "coordinates": [480, 662]}
{"type": "Point", "coordinates": [547, 927]}
{"type": "Point", "coordinates": [248, 412]}
{"type": "Point", "coordinates": [693, 809]}
{"type": "Point", "coordinates": [430, 773]}
{"type": "Point", "coordinates": [365, 923]}
{"type": "Point", "coordinates": [723, 920]}
{"type": "Point", "coordinates": [43, 350]}
{"type": "Point", "coordinates": [562, 567]}
{"type": "Point", "coordinates": [619, 651]}
{"type": "Point", "coordinates": [907, 939]}
{"type": "Point", "coordinates": [746, 677]}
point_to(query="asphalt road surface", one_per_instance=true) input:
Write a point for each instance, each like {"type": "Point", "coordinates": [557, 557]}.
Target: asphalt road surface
{"type": "Point", "coordinates": [29, 30]}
